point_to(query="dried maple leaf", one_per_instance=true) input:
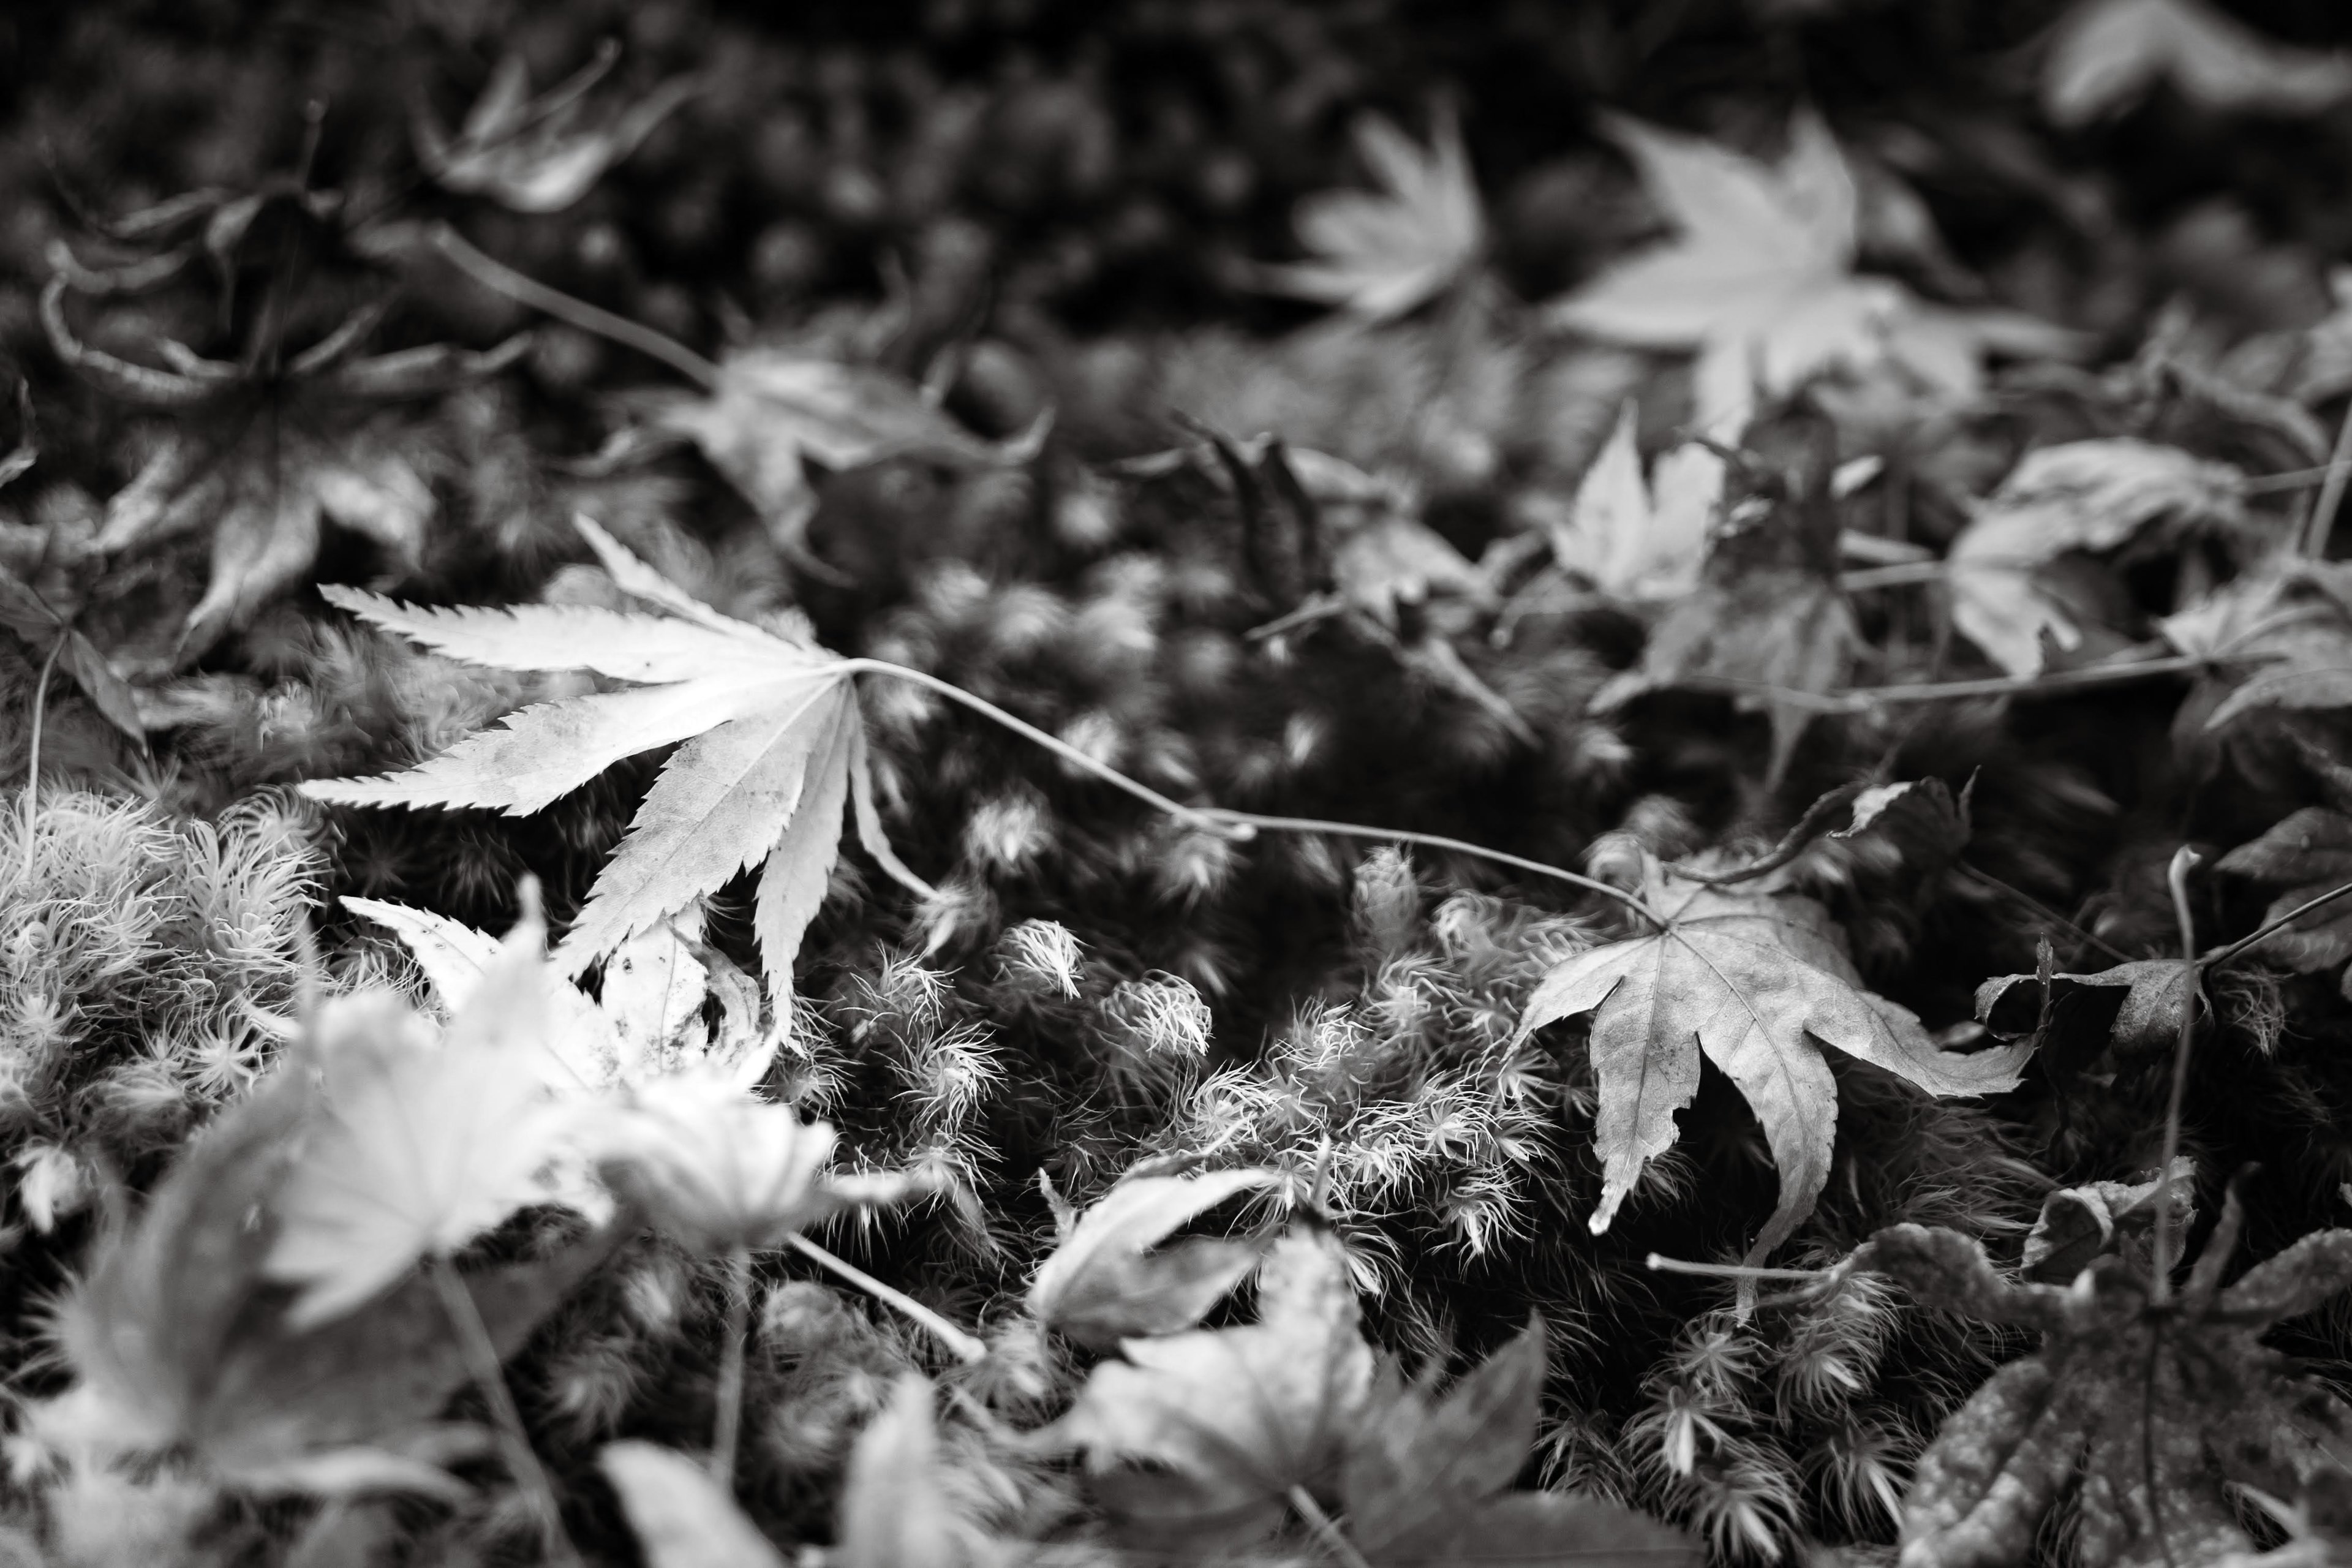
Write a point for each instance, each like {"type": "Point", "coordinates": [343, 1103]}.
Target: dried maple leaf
{"type": "Point", "coordinates": [772, 411]}
{"type": "Point", "coordinates": [2107, 56]}
{"type": "Point", "coordinates": [2134, 1008]}
{"type": "Point", "coordinates": [1760, 983]}
{"type": "Point", "coordinates": [718, 1170]}
{"type": "Point", "coordinates": [2277, 637]}
{"type": "Point", "coordinates": [534, 155]}
{"type": "Point", "coordinates": [895, 1510]}
{"type": "Point", "coordinates": [1760, 279]}
{"type": "Point", "coordinates": [774, 752]}
{"type": "Point", "coordinates": [1382, 254]}
{"type": "Point", "coordinates": [682, 1518]}
{"type": "Point", "coordinates": [52, 636]}
{"type": "Point", "coordinates": [1428, 1480]}
{"type": "Point", "coordinates": [1197, 1440]}
{"type": "Point", "coordinates": [2306, 853]}
{"type": "Point", "coordinates": [1767, 613]}
{"type": "Point", "coordinates": [2082, 496]}
{"type": "Point", "coordinates": [647, 1022]}
{"type": "Point", "coordinates": [423, 1143]}
{"type": "Point", "coordinates": [1639, 540]}
{"type": "Point", "coordinates": [177, 1340]}
{"type": "Point", "coordinates": [2078, 1225]}
{"type": "Point", "coordinates": [2146, 1409]}
{"type": "Point", "coordinates": [1110, 1278]}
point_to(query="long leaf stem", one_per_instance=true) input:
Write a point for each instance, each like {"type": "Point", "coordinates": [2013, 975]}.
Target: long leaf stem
{"type": "Point", "coordinates": [2331, 492]}
{"type": "Point", "coordinates": [1864, 698]}
{"type": "Point", "coordinates": [1439, 841]}
{"type": "Point", "coordinates": [33, 749]}
{"type": "Point", "coordinates": [504, 280]}
{"type": "Point", "coordinates": [2039, 908]}
{"type": "Point", "coordinates": [2215, 960]}
{"type": "Point", "coordinates": [1325, 1531]}
{"type": "Point", "coordinates": [967, 1348]}
{"type": "Point", "coordinates": [2176, 876]}
{"type": "Point", "coordinates": [482, 1361]}
{"type": "Point", "coordinates": [726, 1426]}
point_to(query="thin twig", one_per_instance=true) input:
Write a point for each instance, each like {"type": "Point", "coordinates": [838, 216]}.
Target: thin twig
{"type": "Point", "coordinates": [482, 1359]}
{"type": "Point", "coordinates": [1660, 1263]}
{"type": "Point", "coordinates": [1438, 841]}
{"type": "Point", "coordinates": [967, 1348]}
{"type": "Point", "coordinates": [1327, 1532]}
{"type": "Point", "coordinates": [1792, 844]}
{"type": "Point", "coordinates": [2039, 908]}
{"type": "Point", "coordinates": [33, 749]}
{"type": "Point", "coordinates": [504, 280]}
{"type": "Point", "coordinates": [1204, 820]}
{"type": "Point", "coordinates": [2331, 492]}
{"type": "Point", "coordinates": [728, 1425]}
{"type": "Point", "coordinates": [2215, 960]}
{"type": "Point", "coordinates": [2292, 480]}
{"type": "Point", "coordinates": [1864, 698]}
{"type": "Point", "coordinates": [2176, 876]}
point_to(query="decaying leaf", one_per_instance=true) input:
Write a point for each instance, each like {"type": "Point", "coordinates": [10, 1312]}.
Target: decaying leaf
{"type": "Point", "coordinates": [1111, 1279]}
{"type": "Point", "coordinates": [51, 634]}
{"type": "Point", "coordinates": [1428, 1480]}
{"type": "Point", "coordinates": [682, 1518]}
{"type": "Point", "coordinates": [774, 410]}
{"type": "Point", "coordinates": [423, 1143]}
{"type": "Point", "coordinates": [648, 1022]}
{"type": "Point", "coordinates": [1760, 279]}
{"type": "Point", "coordinates": [2084, 497]}
{"type": "Point", "coordinates": [1195, 1440]}
{"type": "Point", "coordinates": [2146, 1411]}
{"type": "Point", "coordinates": [715, 1169]}
{"type": "Point", "coordinates": [2278, 636]}
{"type": "Point", "coordinates": [538, 155]}
{"type": "Point", "coordinates": [774, 752]}
{"type": "Point", "coordinates": [1760, 983]}
{"type": "Point", "coordinates": [1381, 254]}
{"type": "Point", "coordinates": [177, 1340]}
{"type": "Point", "coordinates": [2133, 1007]}
{"type": "Point", "coordinates": [2078, 1225]}
{"type": "Point", "coordinates": [2305, 854]}
{"type": "Point", "coordinates": [2108, 54]}
{"type": "Point", "coordinates": [894, 1512]}
{"type": "Point", "coordinates": [1641, 541]}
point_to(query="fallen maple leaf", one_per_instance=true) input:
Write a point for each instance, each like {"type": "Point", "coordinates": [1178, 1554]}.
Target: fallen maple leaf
{"type": "Point", "coordinates": [52, 636]}
{"type": "Point", "coordinates": [774, 754]}
{"type": "Point", "coordinates": [2082, 496]}
{"type": "Point", "coordinates": [2306, 853]}
{"type": "Point", "coordinates": [647, 1022]}
{"type": "Point", "coordinates": [277, 451]}
{"type": "Point", "coordinates": [2135, 1007]}
{"type": "Point", "coordinates": [1381, 254]}
{"type": "Point", "coordinates": [2079, 1226]}
{"type": "Point", "coordinates": [2279, 636]}
{"type": "Point", "coordinates": [1428, 1480]}
{"type": "Point", "coordinates": [1760, 983]}
{"type": "Point", "coordinates": [2107, 55]}
{"type": "Point", "coordinates": [895, 1513]}
{"type": "Point", "coordinates": [772, 411]}
{"type": "Point", "coordinates": [1760, 279]}
{"type": "Point", "coordinates": [1197, 1440]}
{"type": "Point", "coordinates": [1111, 1279]}
{"type": "Point", "coordinates": [1639, 540]}
{"type": "Point", "coordinates": [535, 155]}
{"type": "Point", "coordinates": [423, 1143]}
{"type": "Point", "coordinates": [2145, 1409]}
{"type": "Point", "coordinates": [718, 1170]}
{"type": "Point", "coordinates": [177, 1341]}
{"type": "Point", "coordinates": [682, 1518]}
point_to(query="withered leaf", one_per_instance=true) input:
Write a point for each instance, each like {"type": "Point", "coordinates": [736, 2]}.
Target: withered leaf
{"type": "Point", "coordinates": [773, 760]}
{"type": "Point", "coordinates": [2108, 54]}
{"type": "Point", "coordinates": [895, 1512]}
{"type": "Point", "coordinates": [1111, 1279]}
{"type": "Point", "coordinates": [2145, 1410]}
{"type": "Point", "coordinates": [1194, 1441]}
{"type": "Point", "coordinates": [2135, 1007]}
{"type": "Point", "coordinates": [2080, 1225]}
{"type": "Point", "coordinates": [682, 1518]}
{"type": "Point", "coordinates": [2278, 636]}
{"type": "Point", "coordinates": [1760, 984]}
{"type": "Point", "coordinates": [2306, 853]}
{"type": "Point", "coordinates": [538, 155]}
